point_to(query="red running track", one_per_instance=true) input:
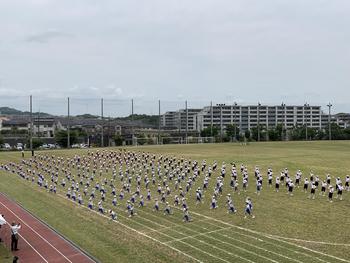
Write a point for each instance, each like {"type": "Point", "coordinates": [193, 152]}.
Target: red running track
{"type": "Point", "coordinates": [37, 242]}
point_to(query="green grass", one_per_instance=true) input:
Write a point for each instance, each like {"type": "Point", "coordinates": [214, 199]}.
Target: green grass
{"type": "Point", "coordinates": [231, 238]}
{"type": "Point", "coordinates": [5, 255]}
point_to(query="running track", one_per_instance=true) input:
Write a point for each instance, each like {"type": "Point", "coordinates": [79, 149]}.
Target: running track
{"type": "Point", "coordinates": [37, 242]}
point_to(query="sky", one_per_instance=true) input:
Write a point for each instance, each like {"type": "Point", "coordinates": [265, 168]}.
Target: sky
{"type": "Point", "coordinates": [249, 51]}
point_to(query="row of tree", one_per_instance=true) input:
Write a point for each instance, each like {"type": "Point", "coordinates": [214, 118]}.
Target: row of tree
{"type": "Point", "coordinates": [277, 133]}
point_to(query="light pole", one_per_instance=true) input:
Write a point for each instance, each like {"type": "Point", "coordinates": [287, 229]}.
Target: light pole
{"type": "Point", "coordinates": [284, 121]}
{"type": "Point", "coordinates": [221, 135]}
{"type": "Point", "coordinates": [329, 105]}
{"type": "Point", "coordinates": [235, 108]}
{"type": "Point", "coordinates": [258, 113]}
{"type": "Point", "coordinates": [306, 105]}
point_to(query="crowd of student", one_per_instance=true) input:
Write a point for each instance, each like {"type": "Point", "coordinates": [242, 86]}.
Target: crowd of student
{"type": "Point", "coordinates": [105, 178]}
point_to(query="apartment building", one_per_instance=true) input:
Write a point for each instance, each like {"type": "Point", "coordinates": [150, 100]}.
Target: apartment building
{"type": "Point", "coordinates": [247, 117]}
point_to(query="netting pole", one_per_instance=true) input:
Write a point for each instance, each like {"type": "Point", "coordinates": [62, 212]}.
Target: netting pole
{"type": "Point", "coordinates": [68, 123]}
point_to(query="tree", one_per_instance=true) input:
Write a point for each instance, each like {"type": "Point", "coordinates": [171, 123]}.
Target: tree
{"type": "Point", "coordinates": [61, 137]}
{"type": "Point", "coordinates": [231, 131]}
{"type": "Point", "coordinates": [118, 140]}
{"type": "Point", "coordinates": [247, 134]}
{"type": "Point", "coordinates": [207, 132]}
{"type": "Point", "coordinates": [337, 132]}
{"type": "Point", "coordinates": [1, 140]}
{"type": "Point", "coordinates": [37, 142]}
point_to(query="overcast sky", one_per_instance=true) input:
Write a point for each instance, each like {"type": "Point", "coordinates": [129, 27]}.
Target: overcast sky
{"type": "Point", "coordinates": [200, 50]}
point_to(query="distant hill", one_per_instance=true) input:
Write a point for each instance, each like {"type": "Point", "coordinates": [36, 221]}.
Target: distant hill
{"type": "Point", "coordinates": [87, 116]}
{"type": "Point", "coordinates": [148, 120]}
{"type": "Point", "coordinates": [12, 111]}
{"type": "Point", "coordinates": [143, 118]}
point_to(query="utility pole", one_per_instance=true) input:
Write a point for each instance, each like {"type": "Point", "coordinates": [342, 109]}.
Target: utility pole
{"type": "Point", "coordinates": [258, 113]}
{"type": "Point", "coordinates": [159, 122]}
{"type": "Point", "coordinates": [211, 119]}
{"type": "Point", "coordinates": [132, 121]}
{"type": "Point", "coordinates": [329, 105]}
{"type": "Point", "coordinates": [221, 135]}
{"type": "Point", "coordinates": [306, 136]}
{"type": "Point", "coordinates": [31, 125]}
{"type": "Point", "coordinates": [68, 124]}
{"type": "Point", "coordinates": [235, 107]}
{"type": "Point", "coordinates": [102, 142]}
{"type": "Point", "coordinates": [186, 122]}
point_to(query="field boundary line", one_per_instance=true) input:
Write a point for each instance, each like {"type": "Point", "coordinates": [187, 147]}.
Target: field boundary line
{"type": "Point", "coordinates": [199, 234]}
{"type": "Point", "coordinates": [310, 241]}
{"type": "Point", "coordinates": [130, 228]}
{"type": "Point", "coordinates": [163, 243]}
{"type": "Point", "coordinates": [271, 237]}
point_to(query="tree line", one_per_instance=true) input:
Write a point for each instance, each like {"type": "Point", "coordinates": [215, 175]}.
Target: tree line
{"type": "Point", "coordinates": [277, 133]}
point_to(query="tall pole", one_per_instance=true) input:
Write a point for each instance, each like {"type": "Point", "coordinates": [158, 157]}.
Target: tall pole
{"type": "Point", "coordinates": [159, 122]}
{"type": "Point", "coordinates": [68, 124]}
{"type": "Point", "coordinates": [38, 123]}
{"type": "Point", "coordinates": [235, 104]}
{"type": "Point", "coordinates": [186, 121]}
{"type": "Point", "coordinates": [258, 113]}
{"type": "Point", "coordinates": [132, 121]}
{"type": "Point", "coordinates": [31, 125]}
{"type": "Point", "coordinates": [306, 135]}
{"type": "Point", "coordinates": [211, 119]}
{"type": "Point", "coordinates": [221, 135]}
{"type": "Point", "coordinates": [285, 121]}
{"type": "Point", "coordinates": [329, 121]}
{"type": "Point", "coordinates": [102, 142]}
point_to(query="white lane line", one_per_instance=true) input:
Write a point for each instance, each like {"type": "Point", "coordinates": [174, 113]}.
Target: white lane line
{"type": "Point", "coordinates": [25, 240]}
{"type": "Point", "coordinates": [130, 228]}
{"type": "Point", "coordinates": [227, 252]}
{"type": "Point", "coordinates": [310, 241]}
{"type": "Point", "coordinates": [221, 228]}
{"type": "Point", "coordinates": [271, 237]}
{"type": "Point", "coordinates": [37, 233]}
{"type": "Point", "coordinates": [200, 234]}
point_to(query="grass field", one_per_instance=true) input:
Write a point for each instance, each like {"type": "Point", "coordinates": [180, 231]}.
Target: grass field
{"type": "Point", "coordinates": [286, 229]}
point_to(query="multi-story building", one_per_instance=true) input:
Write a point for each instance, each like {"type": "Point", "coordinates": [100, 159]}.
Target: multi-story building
{"type": "Point", "coordinates": [181, 120]}
{"type": "Point", "coordinates": [248, 117]}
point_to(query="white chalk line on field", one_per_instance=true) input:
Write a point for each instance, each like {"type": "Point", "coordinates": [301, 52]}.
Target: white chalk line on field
{"type": "Point", "coordinates": [130, 228]}
{"type": "Point", "coordinates": [180, 232]}
{"type": "Point", "coordinates": [267, 242]}
{"type": "Point", "coordinates": [266, 250]}
{"type": "Point", "coordinates": [201, 241]}
{"type": "Point", "coordinates": [163, 243]}
{"type": "Point", "coordinates": [294, 251]}
{"type": "Point", "coordinates": [218, 240]}
{"type": "Point", "coordinates": [310, 241]}
{"type": "Point", "coordinates": [196, 235]}
{"type": "Point", "coordinates": [271, 237]}
{"type": "Point", "coordinates": [266, 235]}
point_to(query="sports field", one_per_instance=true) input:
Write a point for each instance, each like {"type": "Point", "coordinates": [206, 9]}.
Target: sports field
{"type": "Point", "coordinates": [285, 229]}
